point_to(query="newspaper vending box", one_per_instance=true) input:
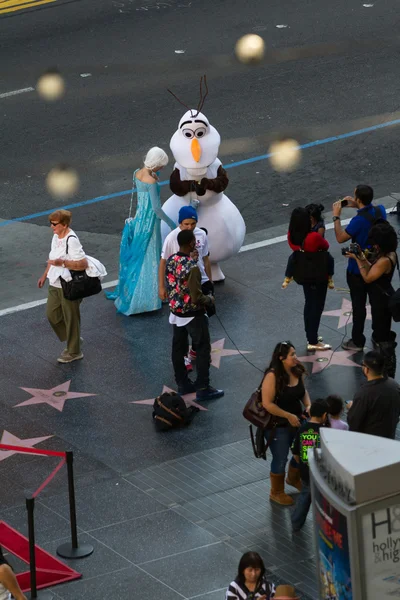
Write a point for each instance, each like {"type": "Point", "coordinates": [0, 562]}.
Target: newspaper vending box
{"type": "Point", "coordinates": [355, 484]}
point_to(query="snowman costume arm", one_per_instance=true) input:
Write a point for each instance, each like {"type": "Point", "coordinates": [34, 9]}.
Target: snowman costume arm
{"type": "Point", "coordinates": [181, 187]}
{"type": "Point", "coordinates": [156, 206]}
{"type": "Point", "coordinates": [218, 184]}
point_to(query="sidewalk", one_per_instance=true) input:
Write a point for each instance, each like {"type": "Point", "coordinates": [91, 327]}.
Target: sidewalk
{"type": "Point", "coordinates": [168, 514]}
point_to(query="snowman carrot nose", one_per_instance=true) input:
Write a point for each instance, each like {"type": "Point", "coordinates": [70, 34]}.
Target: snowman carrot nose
{"type": "Point", "coordinates": [196, 149]}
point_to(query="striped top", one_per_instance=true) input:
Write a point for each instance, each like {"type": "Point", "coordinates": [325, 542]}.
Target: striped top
{"type": "Point", "coordinates": [238, 591]}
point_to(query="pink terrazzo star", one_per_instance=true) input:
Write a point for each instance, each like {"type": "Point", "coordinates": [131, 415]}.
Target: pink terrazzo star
{"type": "Point", "coordinates": [218, 351]}
{"type": "Point", "coordinates": [320, 360]}
{"type": "Point", "coordinates": [13, 440]}
{"type": "Point", "coordinates": [188, 398]}
{"type": "Point", "coordinates": [55, 397]}
{"type": "Point", "coordinates": [345, 313]}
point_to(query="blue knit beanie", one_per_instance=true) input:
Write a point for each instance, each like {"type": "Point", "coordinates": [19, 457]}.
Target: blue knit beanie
{"type": "Point", "coordinates": [187, 212]}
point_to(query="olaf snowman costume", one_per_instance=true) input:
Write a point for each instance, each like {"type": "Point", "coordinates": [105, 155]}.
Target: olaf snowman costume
{"type": "Point", "coordinates": [200, 180]}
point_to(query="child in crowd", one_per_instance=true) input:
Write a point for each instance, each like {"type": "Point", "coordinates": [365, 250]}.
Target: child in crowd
{"type": "Point", "coordinates": [317, 226]}
{"type": "Point", "coordinates": [307, 437]}
{"type": "Point", "coordinates": [207, 288]}
{"type": "Point", "coordinates": [285, 592]}
{"type": "Point", "coordinates": [335, 410]}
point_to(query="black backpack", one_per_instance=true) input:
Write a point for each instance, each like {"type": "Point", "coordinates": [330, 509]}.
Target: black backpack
{"type": "Point", "coordinates": [170, 412]}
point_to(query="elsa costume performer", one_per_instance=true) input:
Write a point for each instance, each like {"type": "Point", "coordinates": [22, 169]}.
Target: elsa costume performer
{"type": "Point", "coordinates": [140, 251]}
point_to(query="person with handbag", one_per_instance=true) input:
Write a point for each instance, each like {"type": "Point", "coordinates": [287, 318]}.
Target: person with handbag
{"type": "Point", "coordinates": [311, 270]}
{"type": "Point", "coordinates": [285, 397]}
{"type": "Point", "coordinates": [377, 273]}
{"type": "Point", "coordinates": [62, 314]}
{"type": "Point", "coordinates": [317, 225]}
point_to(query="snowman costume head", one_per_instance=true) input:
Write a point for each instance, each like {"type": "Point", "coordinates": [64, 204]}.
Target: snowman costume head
{"type": "Point", "coordinates": [195, 144]}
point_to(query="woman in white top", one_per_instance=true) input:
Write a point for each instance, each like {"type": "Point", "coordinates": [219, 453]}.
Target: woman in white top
{"type": "Point", "coordinates": [8, 582]}
{"type": "Point", "coordinates": [64, 315]}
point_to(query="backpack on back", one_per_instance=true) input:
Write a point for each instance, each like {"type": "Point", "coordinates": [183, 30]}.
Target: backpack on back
{"type": "Point", "coordinates": [170, 412]}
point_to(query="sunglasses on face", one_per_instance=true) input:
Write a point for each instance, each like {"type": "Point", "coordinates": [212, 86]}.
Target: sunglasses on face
{"type": "Point", "coordinates": [53, 224]}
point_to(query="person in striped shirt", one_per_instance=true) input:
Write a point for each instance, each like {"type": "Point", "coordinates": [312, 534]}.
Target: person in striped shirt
{"type": "Point", "coordinates": [250, 583]}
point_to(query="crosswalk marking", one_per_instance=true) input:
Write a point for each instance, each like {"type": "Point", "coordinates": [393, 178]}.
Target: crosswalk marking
{"type": "Point", "coordinates": [7, 6]}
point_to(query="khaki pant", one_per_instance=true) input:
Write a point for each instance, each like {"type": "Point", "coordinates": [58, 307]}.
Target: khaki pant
{"type": "Point", "coordinates": [65, 319]}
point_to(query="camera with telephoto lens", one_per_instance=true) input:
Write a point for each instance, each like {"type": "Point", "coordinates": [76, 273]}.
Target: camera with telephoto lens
{"type": "Point", "coordinates": [352, 249]}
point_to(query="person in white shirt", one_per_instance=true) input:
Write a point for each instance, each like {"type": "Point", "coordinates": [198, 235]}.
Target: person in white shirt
{"type": "Point", "coordinates": [66, 254]}
{"type": "Point", "coordinates": [187, 220]}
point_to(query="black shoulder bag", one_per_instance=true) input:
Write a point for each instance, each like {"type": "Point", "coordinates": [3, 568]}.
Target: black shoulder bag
{"type": "Point", "coordinates": [310, 267]}
{"type": "Point", "coordinates": [81, 285]}
{"type": "Point", "coordinates": [262, 420]}
{"type": "Point", "coordinates": [394, 299]}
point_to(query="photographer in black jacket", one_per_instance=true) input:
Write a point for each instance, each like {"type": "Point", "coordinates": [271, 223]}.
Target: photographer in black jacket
{"type": "Point", "coordinates": [376, 406]}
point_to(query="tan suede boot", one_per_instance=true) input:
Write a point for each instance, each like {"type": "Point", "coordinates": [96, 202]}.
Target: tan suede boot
{"type": "Point", "coordinates": [277, 493]}
{"type": "Point", "coordinates": [293, 478]}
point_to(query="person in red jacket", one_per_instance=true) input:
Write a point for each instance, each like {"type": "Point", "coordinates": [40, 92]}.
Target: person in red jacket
{"type": "Point", "coordinates": [317, 225]}
{"type": "Point", "coordinates": [300, 237]}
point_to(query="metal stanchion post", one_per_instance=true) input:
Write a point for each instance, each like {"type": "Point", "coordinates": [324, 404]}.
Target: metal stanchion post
{"type": "Point", "coordinates": [73, 550]}
{"type": "Point", "coordinates": [30, 507]}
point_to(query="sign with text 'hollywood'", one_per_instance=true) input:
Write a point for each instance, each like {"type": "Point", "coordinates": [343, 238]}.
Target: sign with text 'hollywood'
{"type": "Point", "coordinates": [381, 534]}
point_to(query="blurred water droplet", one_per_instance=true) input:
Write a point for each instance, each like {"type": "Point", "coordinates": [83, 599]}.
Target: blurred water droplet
{"type": "Point", "coordinates": [250, 48]}
{"type": "Point", "coordinates": [50, 86]}
{"type": "Point", "coordinates": [62, 181]}
{"type": "Point", "coordinates": [286, 155]}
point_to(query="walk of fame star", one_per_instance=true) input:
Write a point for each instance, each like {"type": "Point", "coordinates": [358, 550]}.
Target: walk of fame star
{"type": "Point", "coordinates": [55, 397]}
{"type": "Point", "coordinates": [188, 398]}
{"type": "Point", "coordinates": [320, 360]}
{"type": "Point", "coordinates": [345, 313]}
{"type": "Point", "coordinates": [218, 351]}
{"type": "Point", "coordinates": [13, 440]}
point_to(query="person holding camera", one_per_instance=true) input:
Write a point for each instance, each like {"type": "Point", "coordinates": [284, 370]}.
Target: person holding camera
{"type": "Point", "coordinates": [357, 231]}
{"type": "Point", "coordinates": [188, 305]}
{"type": "Point", "coordinates": [377, 273]}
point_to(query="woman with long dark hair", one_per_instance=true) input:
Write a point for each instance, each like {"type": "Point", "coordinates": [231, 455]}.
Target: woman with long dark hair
{"type": "Point", "coordinates": [377, 272]}
{"type": "Point", "coordinates": [301, 238]}
{"type": "Point", "coordinates": [285, 397]}
{"type": "Point", "coordinates": [8, 582]}
{"type": "Point", "coordinates": [250, 581]}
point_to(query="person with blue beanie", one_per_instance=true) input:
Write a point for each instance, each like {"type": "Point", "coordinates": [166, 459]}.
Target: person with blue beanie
{"type": "Point", "coordinates": [187, 220]}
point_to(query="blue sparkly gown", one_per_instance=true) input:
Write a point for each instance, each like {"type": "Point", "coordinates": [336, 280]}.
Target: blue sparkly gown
{"type": "Point", "coordinates": [140, 251]}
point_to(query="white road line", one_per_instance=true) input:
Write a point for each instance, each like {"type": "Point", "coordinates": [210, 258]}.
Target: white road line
{"type": "Point", "coordinates": [15, 92]}
{"type": "Point", "coordinates": [108, 284]}
{"type": "Point", "coordinates": [20, 307]}
{"type": "Point", "coordinates": [280, 238]}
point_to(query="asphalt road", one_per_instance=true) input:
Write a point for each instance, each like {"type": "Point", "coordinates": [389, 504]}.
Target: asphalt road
{"type": "Point", "coordinates": [333, 69]}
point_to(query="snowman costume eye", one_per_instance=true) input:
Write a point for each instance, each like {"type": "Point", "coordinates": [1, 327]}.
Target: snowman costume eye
{"type": "Point", "coordinates": [188, 133]}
